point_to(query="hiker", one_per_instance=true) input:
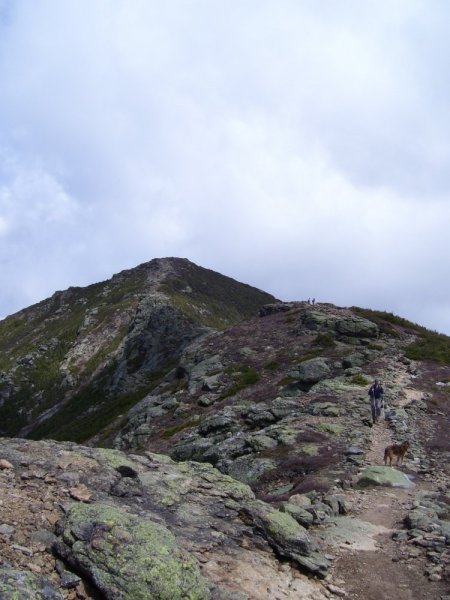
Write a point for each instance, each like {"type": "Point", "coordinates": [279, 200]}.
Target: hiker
{"type": "Point", "coordinates": [376, 394]}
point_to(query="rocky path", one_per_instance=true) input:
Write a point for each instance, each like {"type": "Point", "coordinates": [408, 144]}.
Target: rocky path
{"type": "Point", "coordinates": [372, 561]}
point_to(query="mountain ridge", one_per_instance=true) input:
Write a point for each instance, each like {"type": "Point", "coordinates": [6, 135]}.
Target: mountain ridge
{"type": "Point", "coordinates": [72, 339]}
{"type": "Point", "coordinates": [225, 431]}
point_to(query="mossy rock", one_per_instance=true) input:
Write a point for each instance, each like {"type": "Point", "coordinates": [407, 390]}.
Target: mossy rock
{"type": "Point", "coordinates": [25, 585]}
{"type": "Point", "coordinates": [333, 428]}
{"type": "Point", "coordinates": [249, 469]}
{"type": "Point", "coordinates": [310, 449]}
{"type": "Point", "coordinates": [385, 476]}
{"type": "Point", "coordinates": [127, 557]}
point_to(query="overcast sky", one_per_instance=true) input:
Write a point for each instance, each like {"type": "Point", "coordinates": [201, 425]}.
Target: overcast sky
{"type": "Point", "coordinates": [300, 146]}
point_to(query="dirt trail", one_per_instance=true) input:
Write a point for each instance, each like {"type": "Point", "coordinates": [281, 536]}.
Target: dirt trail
{"type": "Point", "coordinates": [393, 570]}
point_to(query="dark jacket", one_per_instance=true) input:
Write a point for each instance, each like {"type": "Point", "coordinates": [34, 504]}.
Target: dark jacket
{"type": "Point", "coordinates": [376, 391]}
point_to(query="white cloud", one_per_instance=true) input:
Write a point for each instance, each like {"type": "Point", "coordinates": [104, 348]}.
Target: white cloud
{"type": "Point", "coordinates": [302, 147]}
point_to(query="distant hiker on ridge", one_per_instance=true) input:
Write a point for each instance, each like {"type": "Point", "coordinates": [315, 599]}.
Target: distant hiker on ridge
{"type": "Point", "coordinates": [376, 394]}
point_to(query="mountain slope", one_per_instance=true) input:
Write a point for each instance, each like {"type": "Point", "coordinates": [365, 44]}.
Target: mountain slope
{"type": "Point", "coordinates": [260, 416]}
{"type": "Point", "coordinates": [72, 363]}
{"type": "Point", "coordinates": [276, 401]}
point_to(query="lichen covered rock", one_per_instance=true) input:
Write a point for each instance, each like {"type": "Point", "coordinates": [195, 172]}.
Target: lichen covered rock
{"type": "Point", "coordinates": [25, 585]}
{"type": "Point", "coordinates": [128, 558]}
{"type": "Point", "coordinates": [386, 476]}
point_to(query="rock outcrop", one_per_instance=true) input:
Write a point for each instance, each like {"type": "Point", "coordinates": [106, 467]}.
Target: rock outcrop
{"type": "Point", "coordinates": [144, 526]}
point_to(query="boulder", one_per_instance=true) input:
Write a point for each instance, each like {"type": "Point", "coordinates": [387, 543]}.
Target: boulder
{"type": "Point", "coordinates": [327, 409]}
{"type": "Point", "coordinates": [191, 449]}
{"type": "Point", "coordinates": [273, 309]}
{"type": "Point", "coordinates": [359, 327]}
{"type": "Point", "coordinates": [300, 514]}
{"type": "Point", "coordinates": [385, 476]}
{"type": "Point", "coordinates": [425, 520]}
{"type": "Point", "coordinates": [312, 371]}
{"type": "Point", "coordinates": [26, 585]}
{"type": "Point", "coordinates": [126, 557]}
{"type": "Point", "coordinates": [287, 537]}
{"type": "Point", "coordinates": [259, 415]}
{"type": "Point", "coordinates": [249, 469]}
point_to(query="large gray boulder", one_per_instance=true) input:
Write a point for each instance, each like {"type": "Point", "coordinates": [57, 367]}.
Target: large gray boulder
{"type": "Point", "coordinates": [311, 371]}
{"type": "Point", "coordinates": [384, 476]}
{"type": "Point", "coordinates": [356, 327]}
{"type": "Point", "coordinates": [342, 323]}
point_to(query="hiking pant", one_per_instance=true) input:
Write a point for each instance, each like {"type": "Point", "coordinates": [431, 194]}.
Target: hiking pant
{"type": "Point", "coordinates": [375, 405]}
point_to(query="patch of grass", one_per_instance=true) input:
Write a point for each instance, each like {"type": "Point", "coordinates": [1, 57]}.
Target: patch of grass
{"type": "Point", "coordinates": [387, 316]}
{"type": "Point", "coordinates": [334, 428]}
{"type": "Point", "coordinates": [359, 380]}
{"type": "Point", "coordinates": [308, 355]}
{"type": "Point", "coordinates": [430, 346]}
{"type": "Point", "coordinates": [326, 340]}
{"type": "Point", "coordinates": [90, 411]}
{"type": "Point", "coordinates": [373, 346]}
{"type": "Point", "coordinates": [387, 321]}
{"type": "Point", "coordinates": [243, 375]}
{"type": "Point", "coordinates": [272, 365]}
{"type": "Point", "coordinates": [171, 431]}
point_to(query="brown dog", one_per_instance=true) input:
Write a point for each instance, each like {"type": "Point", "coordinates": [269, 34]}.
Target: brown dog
{"type": "Point", "coordinates": [396, 450]}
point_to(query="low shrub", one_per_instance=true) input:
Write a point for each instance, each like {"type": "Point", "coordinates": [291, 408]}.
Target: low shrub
{"type": "Point", "coordinates": [360, 380]}
{"type": "Point", "coordinates": [325, 340]}
{"type": "Point", "coordinates": [430, 346]}
{"type": "Point", "coordinates": [243, 376]}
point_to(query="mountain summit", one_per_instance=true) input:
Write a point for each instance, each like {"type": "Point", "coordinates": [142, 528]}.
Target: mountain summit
{"type": "Point", "coordinates": [72, 363]}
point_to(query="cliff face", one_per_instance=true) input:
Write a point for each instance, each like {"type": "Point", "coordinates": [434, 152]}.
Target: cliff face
{"type": "Point", "coordinates": [72, 363]}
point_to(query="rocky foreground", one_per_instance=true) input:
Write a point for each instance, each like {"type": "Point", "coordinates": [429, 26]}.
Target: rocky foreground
{"type": "Point", "coordinates": [246, 469]}
{"type": "Point", "coordinates": [82, 523]}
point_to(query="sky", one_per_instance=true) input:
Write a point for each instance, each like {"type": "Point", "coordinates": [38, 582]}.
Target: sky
{"type": "Point", "coordinates": [299, 146]}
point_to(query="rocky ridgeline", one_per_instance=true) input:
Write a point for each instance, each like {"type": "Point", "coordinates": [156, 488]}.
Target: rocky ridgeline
{"type": "Point", "coordinates": [245, 467]}
{"type": "Point", "coordinates": [292, 383]}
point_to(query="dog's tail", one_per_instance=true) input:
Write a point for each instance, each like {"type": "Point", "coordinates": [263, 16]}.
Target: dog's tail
{"type": "Point", "coordinates": [386, 454]}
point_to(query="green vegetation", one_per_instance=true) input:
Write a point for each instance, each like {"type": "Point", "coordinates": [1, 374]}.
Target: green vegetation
{"type": "Point", "coordinates": [333, 428]}
{"type": "Point", "coordinates": [90, 410]}
{"type": "Point", "coordinates": [272, 365]}
{"type": "Point", "coordinates": [211, 299]}
{"type": "Point", "coordinates": [360, 380]}
{"type": "Point", "coordinates": [374, 346]}
{"type": "Point", "coordinates": [386, 321]}
{"type": "Point", "coordinates": [171, 431]}
{"type": "Point", "coordinates": [286, 380]}
{"type": "Point", "coordinates": [243, 376]}
{"type": "Point", "coordinates": [325, 340]}
{"type": "Point", "coordinates": [430, 346]}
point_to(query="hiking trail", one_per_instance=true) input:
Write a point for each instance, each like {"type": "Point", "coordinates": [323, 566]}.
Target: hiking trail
{"type": "Point", "coordinates": [373, 565]}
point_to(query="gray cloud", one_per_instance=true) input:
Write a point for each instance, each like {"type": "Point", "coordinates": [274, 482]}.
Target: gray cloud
{"type": "Point", "coordinates": [300, 147]}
